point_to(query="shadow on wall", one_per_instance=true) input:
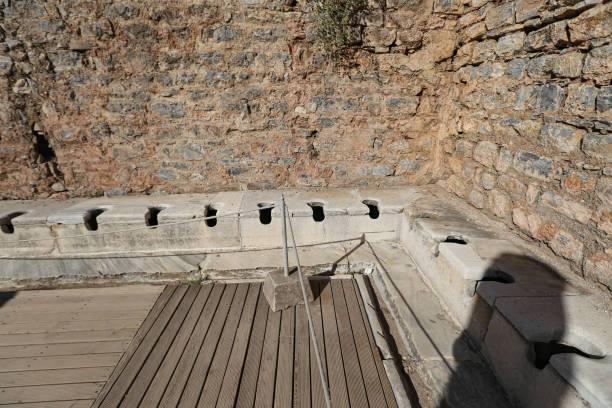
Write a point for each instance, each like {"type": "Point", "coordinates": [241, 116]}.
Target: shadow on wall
{"type": "Point", "coordinates": [522, 364]}
{"type": "Point", "coordinates": [6, 296]}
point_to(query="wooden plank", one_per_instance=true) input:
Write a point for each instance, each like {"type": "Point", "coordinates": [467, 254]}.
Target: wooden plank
{"type": "Point", "coordinates": [229, 388]}
{"type": "Point", "coordinates": [164, 373]}
{"type": "Point", "coordinates": [224, 374]}
{"type": "Point", "coordinates": [301, 378]}
{"type": "Point", "coordinates": [215, 310]}
{"type": "Point", "coordinates": [6, 319]}
{"type": "Point", "coordinates": [47, 363]}
{"type": "Point", "coordinates": [144, 377]}
{"type": "Point", "coordinates": [149, 321]}
{"type": "Point", "coordinates": [283, 394]}
{"type": "Point", "coordinates": [41, 299]}
{"type": "Point", "coordinates": [217, 335]}
{"type": "Point", "coordinates": [40, 393]}
{"type": "Point", "coordinates": [58, 326]}
{"type": "Point", "coordinates": [53, 404]}
{"type": "Point", "coordinates": [266, 380]}
{"type": "Point", "coordinates": [45, 294]}
{"type": "Point", "coordinates": [373, 386]}
{"type": "Point", "coordinates": [64, 349]}
{"type": "Point", "coordinates": [54, 376]}
{"type": "Point", "coordinates": [382, 374]}
{"type": "Point", "coordinates": [66, 337]}
{"type": "Point", "coordinates": [352, 369]}
{"type": "Point", "coordinates": [136, 360]}
{"type": "Point", "coordinates": [317, 395]}
{"type": "Point", "coordinates": [335, 366]}
{"type": "Point", "coordinates": [250, 371]}
{"type": "Point", "coordinates": [83, 304]}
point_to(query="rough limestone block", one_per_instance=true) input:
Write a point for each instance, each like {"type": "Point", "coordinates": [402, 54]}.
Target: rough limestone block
{"type": "Point", "coordinates": [283, 292]}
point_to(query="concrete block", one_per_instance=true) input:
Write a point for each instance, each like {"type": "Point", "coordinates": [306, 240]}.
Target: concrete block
{"type": "Point", "coordinates": [283, 292]}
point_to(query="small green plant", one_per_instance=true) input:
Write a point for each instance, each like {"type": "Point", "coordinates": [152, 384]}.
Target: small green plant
{"type": "Point", "coordinates": [196, 282]}
{"type": "Point", "coordinates": [338, 24]}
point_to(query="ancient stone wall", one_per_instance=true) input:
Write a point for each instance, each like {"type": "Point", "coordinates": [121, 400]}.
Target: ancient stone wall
{"type": "Point", "coordinates": [189, 96]}
{"type": "Point", "coordinates": [506, 104]}
{"type": "Point", "coordinates": [532, 104]}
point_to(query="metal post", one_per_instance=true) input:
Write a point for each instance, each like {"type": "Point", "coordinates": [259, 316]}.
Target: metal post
{"type": "Point", "coordinates": [283, 220]}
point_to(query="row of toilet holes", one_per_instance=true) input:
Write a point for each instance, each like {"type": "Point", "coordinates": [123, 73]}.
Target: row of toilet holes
{"type": "Point", "coordinates": [151, 217]}
{"type": "Point", "coordinates": [318, 213]}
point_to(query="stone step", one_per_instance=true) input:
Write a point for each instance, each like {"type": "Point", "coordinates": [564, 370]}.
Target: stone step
{"type": "Point", "coordinates": [509, 299]}
{"type": "Point", "coordinates": [457, 375]}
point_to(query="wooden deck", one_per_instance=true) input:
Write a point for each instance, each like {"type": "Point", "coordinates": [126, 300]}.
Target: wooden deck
{"type": "Point", "coordinates": [58, 347]}
{"type": "Point", "coordinates": [221, 345]}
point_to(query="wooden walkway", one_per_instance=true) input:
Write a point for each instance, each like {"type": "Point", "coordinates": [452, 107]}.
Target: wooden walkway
{"type": "Point", "coordinates": [58, 347]}
{"type": "Point", "coordinates": [221, 345]}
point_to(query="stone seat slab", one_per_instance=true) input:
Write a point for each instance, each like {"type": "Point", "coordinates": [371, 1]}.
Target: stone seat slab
{"type": "Point", "coordinates": [590, 377]}
{"type": "Point", "coordinates": [577, 321]}
{"type": "Point", "coordinates": [464, 260]}
{"type": "Point", "coordinates": [531, 279]}
{"type": "Point", "coordinates": [335, 202]}
{"type": "Point", "coordinates": [34, 212]}
{"type": "Point", "coordinates": [227, 201]}
{"type": "Point", "coordinates": [252, 200]}
{"type": "Point", "coordinates": [182, 212]}
{"type": "Point", "coordinates": [392, 201]}
{"type": "Point", "coordinates": [122, 214]}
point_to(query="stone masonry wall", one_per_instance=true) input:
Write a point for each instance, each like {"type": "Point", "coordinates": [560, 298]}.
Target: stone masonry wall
{"type": "Point", "coordinates": [192, 96]}
{"type": "Point", "coordinates": [506, 104]}
{"type": "Point", "coordinates": [533, 107]}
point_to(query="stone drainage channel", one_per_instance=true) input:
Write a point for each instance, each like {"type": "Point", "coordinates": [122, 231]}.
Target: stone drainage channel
{"type": "Point", "coordinates": [461, 292]}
